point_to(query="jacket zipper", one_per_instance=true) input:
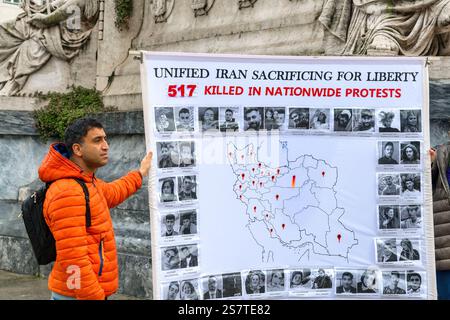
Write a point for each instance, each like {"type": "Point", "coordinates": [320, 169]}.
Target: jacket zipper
{"type": "Point", "coordinates": [100, 252]}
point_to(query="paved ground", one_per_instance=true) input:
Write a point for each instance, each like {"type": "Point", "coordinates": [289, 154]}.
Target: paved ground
{"type": "Point", "coordinates": [19, 287]}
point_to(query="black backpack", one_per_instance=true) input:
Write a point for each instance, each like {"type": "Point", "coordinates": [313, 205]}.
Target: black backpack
{"type": "Point", "coordinates": [41, 237]}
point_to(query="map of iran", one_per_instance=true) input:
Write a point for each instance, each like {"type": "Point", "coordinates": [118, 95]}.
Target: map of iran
{"type": "Point", "coordinates": [292, 207]}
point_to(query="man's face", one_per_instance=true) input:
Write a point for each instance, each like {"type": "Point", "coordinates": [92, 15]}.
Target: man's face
{"type": "Point", "coordinates": [388, 180]}
{"type": "Point", "coordinates": [186, 222]}
{"type": "Point", "coordinates": [185, 118]}
{"type": "Point", "coordinates": [347, 281]}
{"type": "Point", "coordinates": [187, 184]}
{"type": "Point", "coordinates": [164, 152]}
{"type": "Point", "coordinates": [228, 116]}
{"type": "Point", "coordinates": [366, 121]}
{"type": "Point", "coordinates": [253, 119]}
{"type": "Point", "coordinates": [387, 250]}
{"type": "Point", "coordinates": [166, 189]}
{"type": "Point", "coordinates": [394, 280]}
{"type": "Point", "coordinates": [413, 213]}
{"type": "Point", "coordinates": [185, 252]}
{"type": "Point", "coordinates": [295, 118]}
{"type": "Point", "coordinates": [169, 224]}
{"type": "Point", "coordinates": [343, 120]}
{"type": "Point", "coordinates": [414, 282]}
{"type": "Point", "coordinates": [410, 185]}
{"type": "Point", "coordinates": [255, 281]}
{"type": "Point", "coordinates": [94, 148]}
{"type": "Point", "coordinates": [388, 122]}
{"type": "Point", "coordinates": [173, 290]}
{"type": "Point", "coordinates": [388, 151]}
{"type": "Point", "coordinates": [212, 284]}
{"type": "Point", "coordinates": [279, 118]}
{"type": "Point", "coordinates": [303, 118]}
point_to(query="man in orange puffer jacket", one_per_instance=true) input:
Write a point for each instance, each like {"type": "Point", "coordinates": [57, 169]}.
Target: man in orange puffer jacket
{"type": "Point", "coordinates": [86, 262]}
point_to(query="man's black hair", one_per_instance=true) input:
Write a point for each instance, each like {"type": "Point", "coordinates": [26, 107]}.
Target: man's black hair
{"type": "Point", "coordinates": [76, 132]}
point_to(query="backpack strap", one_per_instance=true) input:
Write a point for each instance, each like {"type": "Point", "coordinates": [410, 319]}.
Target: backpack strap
{"type": "Point", "coordinates": [86, 197]}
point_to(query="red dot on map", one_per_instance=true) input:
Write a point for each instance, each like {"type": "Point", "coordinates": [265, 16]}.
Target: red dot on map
{"type": "Point", "coordinates": [278, 171]}
{"type": "Point", "coordinates": [253, 169]}
{"type": "Point", "coordinates": [240, 197]}
{"type": "Point", "coordinates": [243, 176]}
{"type": "Point", "coordinates": [230, 154]}
{"type": "Point", "coordinates": [293, 181]}
{"type": "Point", "coordinates": [240, 187]}
{"type": "Point", "coordinates": [267, 215]}
{"type": "Point", "coordinates": [283, 226]}
{"type": "Point", "coordinates": [259, 165]}
{"type": "Point", "coordinates": [339, 237]}
{"type": "Point", "coordinates": [242, 157]}
{"type": "Point", "coordinates": [273, 178]}
{"type": "Point", "coordinates": [254, 209]}
{"type": "Point", "coordinates": [271, 230]}
{"type": "Point", "coordinates": [277, 196]}
{"type": "Point", "coordinates": [260, 184]}
{"type": "Point", "coordinates": [323, 173]}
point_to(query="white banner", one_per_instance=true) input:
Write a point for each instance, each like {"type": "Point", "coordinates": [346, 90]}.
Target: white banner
{"type": "Point", "coordinates": [289, 177]}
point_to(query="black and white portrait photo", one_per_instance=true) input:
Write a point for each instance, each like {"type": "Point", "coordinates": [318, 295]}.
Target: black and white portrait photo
{"type": "Point", "coordinates": [410, 152]}
{"type": "Point", "coordinates": [232, 285]}
{"type": "Point", "coordinates": [368, 282]}
{"type": "Point", "coordinates": [319, 119]}
{"type": "Point", "coordinates": [228, 119]}
{"type": "Point", "coordinates": [189, 290]}
{"type": "Point", "coordinates": [410, 250]}
{"type": "Point", "coordinates": [168, 154]}
{"type": "Point", "coordinates": [364, 120]}
{"type": "Point", "coordinates": [298, 118]}
{"type": "Point", "coordinates": [171, 291]}
{"type": "Point", "coordinates": [388, 184]}
{"type": "Point", "coordinates": [411, 217]}
{"type": "Point", "coordinates": [343, 120]}
{"type": "Point", "coordinates": [388, 120]}
{"type": "Point", "coordinates": [387, 250]}
{"type": "Point", "coordinates": [411, 185]}
{"type": "Point", "coordinates": [186, 154]}
{"type": "Point", "coordinates": [188, 256]}
{"type": "Point", "coordinates": [208, 118]}
{"type": "Point", "coordinates": [168, 190]}
{"type": "Point", "coordinates": [253, 119]}
{"type": "Point", "coordinates": [415, 282]}
{"type": "Point", "coordinates": [346, 282]}
{"type": "Point", "coordinates": [322, 279]}
{"type": "Point", "coordinates": [212, 287]}
{"type": "Point", "coordinates": [275, 280]}
{"type": "Point", "coordinates": [255, 282]}
{"type": "Point", "coordinates": [165, 120]}
{"type": "Point", "coordinates": [411, 121]}
{"type": "Point", "coordinates": [188, 222]}
{"type": "Point", "coordinates": [187, 188]}
{"type": "Point", "coordinates": [170, 223]}
{"type": "Point", "coordinates": [388, 152]}
{"type": "Point", "coordinates": [170, 259]}
{"type": "Point", "coordinates": [394, 282]}
{"type": "Point", "coordinates": [300, 279]}
{"type": "Point", "coordinates": [275, 118]}
{"type": "Point", "coordinates": [388, 217]}
{"type": "Point", "coordinates": [184, 118]}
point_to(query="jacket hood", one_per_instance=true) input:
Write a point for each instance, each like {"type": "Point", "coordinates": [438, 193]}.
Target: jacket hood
{"type": "Point", "coordinates": [56, 165]}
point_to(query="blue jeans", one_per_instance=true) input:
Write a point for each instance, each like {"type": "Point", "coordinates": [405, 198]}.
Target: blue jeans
{"type": "Point", "coordinates": [443, 284]}
{"type": "Point", "coordinates": [56, 296]}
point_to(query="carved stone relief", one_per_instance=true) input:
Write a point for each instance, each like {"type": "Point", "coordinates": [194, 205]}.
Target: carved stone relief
{"type": "Point", "coordinates": [201, 7]}
{"type": "Point", "coordinates": [161, 9]}
{"type": "Point", "coordinates": [246, 3]}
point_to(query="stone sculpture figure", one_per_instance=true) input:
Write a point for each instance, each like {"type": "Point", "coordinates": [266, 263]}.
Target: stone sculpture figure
{"type": "Point", "coordinates": [40, 32]}
{"type": "Point", "coordinates": [388, 27]}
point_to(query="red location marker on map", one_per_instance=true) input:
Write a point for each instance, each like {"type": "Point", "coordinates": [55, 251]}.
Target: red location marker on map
{"type": "Point", "coordinates": [240, 187]}
{"type": "Point", "coordinates": [273, 178]}
{"type": "Point", "coordinates": [277, 197]}
{"type": "Point", "coordinates": [339, 237]}
{"type": "Point", "coordinates": [243, 176]}
{"type": "Point", "coordinates": [230, 154]}
{"type": "Point", "coordinates": [253, 182]}
{"type": "Point", "coordinates": [253, 169]}
{"type": "Point", "coordinates": [240, 197]}
{"type": "Point", "coordinates": [267, 216]}
{"type": "Point", "coordinates": [271, 230]}
{"type": "Point", "coordinates": [259, 165]}
{"type": "Point", "coordinates": [293, 181]}
{"type": "Point", "coordinates": [283, 226]}
{"type": "Point", "coordinates": [278, 171]}
{"type": "Point", "coordinates": [323, 173]}
{"type": "Point", "coordinates": [254, 209]}
{"type": "Point", "coordinates": [260, 184]}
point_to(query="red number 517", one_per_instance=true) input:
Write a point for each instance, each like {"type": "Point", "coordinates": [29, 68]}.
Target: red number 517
{"type": "Point", "coordinates": [182, 90]}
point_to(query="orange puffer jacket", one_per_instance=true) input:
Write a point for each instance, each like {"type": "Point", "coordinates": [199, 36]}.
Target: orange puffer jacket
{"type": "Point", "coordinates": [86, 262]}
